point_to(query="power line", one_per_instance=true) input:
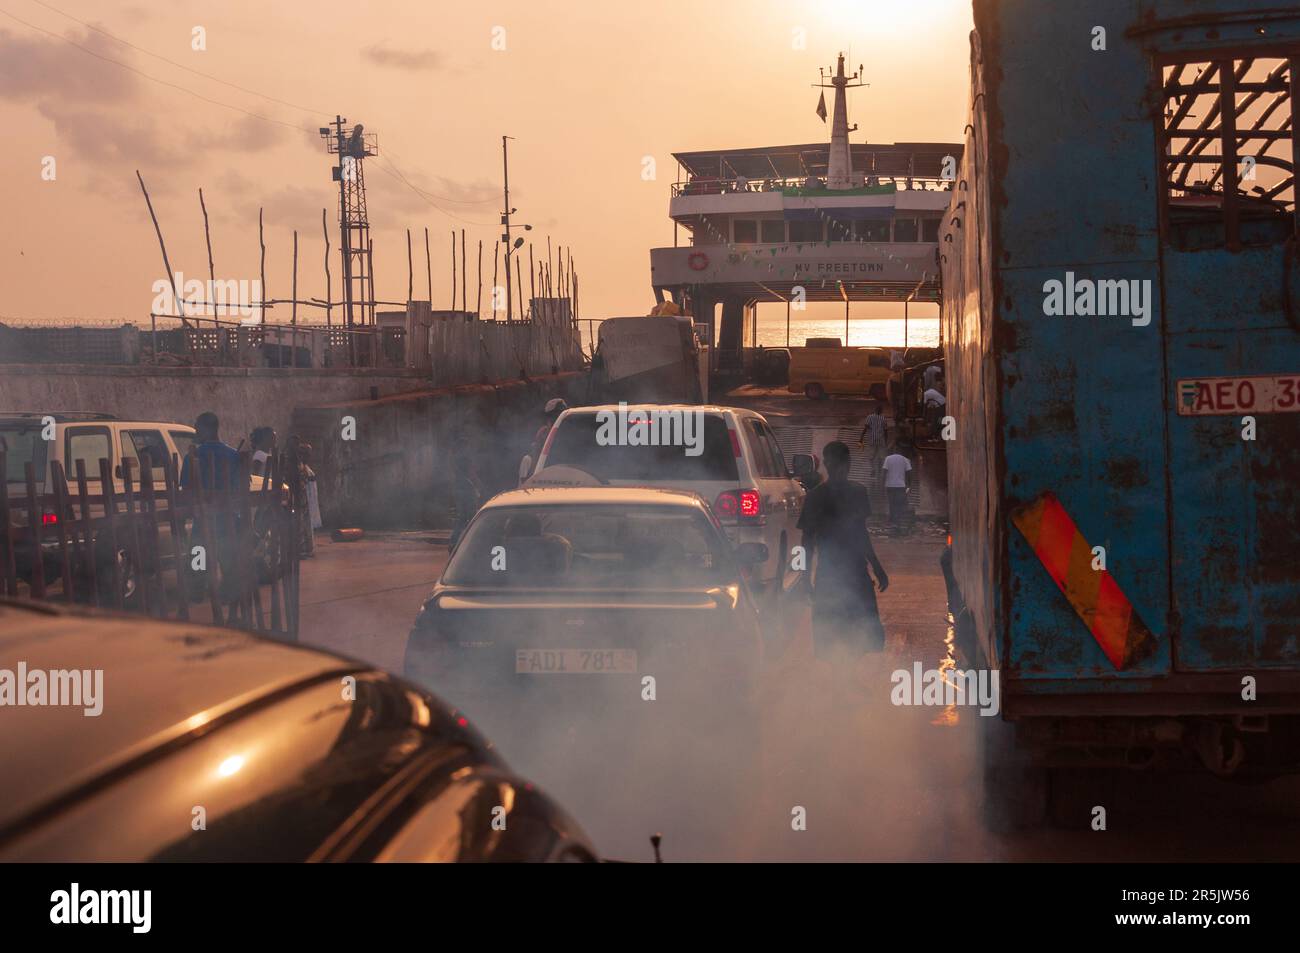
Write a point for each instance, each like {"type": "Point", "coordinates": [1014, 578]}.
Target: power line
{"type": "Point", "coordinates": [442, 198]}
{"type": "Point", "coordinates": [188, 69]}
{"type": "Point", "coordinates": [155, 79]}
{"type": "Point", "coordinates": [397, 174]}
{"type": "Point", "coordinates": [426, 196]}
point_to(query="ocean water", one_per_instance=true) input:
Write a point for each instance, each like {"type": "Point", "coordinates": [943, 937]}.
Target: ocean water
{"type": "Point", "coordinates": [863, 332]}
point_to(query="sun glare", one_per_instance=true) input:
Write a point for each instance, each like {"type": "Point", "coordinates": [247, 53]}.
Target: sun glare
{"type": "Point", "coordinates": [865, 20]}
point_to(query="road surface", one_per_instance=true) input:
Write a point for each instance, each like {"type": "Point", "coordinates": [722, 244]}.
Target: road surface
{"type": "Point", "coordinates": [874, 781]}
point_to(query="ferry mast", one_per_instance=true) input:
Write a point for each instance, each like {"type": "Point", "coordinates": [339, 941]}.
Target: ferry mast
{"type": "Point", "coordinates": [839, 173]}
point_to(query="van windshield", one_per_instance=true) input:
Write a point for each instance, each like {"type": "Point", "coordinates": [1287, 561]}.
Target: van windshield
{"type": "Point", "coordinates": [581, 440]}
{"type": "Point", "coordinates": [22, 443]}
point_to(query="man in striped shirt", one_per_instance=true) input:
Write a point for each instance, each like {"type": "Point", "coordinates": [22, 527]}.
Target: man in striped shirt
{"type": "Point", "coordinates": [874, 438]}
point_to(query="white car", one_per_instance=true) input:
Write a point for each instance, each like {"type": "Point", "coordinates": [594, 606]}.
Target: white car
{"type": "Point", "coordinates": [727, 455]}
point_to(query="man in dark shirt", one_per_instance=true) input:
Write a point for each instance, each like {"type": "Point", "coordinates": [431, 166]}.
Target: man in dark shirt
{"type": "Point", "coordinates": [214, 458]}
{"type": "Point", "coordinates": [834, 525]}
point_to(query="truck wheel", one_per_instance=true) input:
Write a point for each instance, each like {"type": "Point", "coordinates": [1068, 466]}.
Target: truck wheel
{"type": "Point", "coordinates": [814, 391]}
{"type": "Point", "coordinates": [1015, 791]}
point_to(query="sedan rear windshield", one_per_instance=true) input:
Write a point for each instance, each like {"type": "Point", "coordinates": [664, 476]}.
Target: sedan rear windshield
{"type": "Point", "coordinates": [22, 444]}
{"type": "Point", "coordinates": [580, 440]}
{"type": "Point", "coordinates": [615, 547]}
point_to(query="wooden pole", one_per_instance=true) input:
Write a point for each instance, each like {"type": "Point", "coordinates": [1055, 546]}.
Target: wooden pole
{"type": "Point", "coordinates": [496, 261]}
{"type": "Point", "coordinates": [428, 266]}
{"type": "Point", "coordinates": [294, 319]}
{"type": "Point", "coordinates": [464, 282]}
{"type": "Point", "coordinates": [9, 580]}
{"type": "Point", "coordinates": [370, 268]}
{"type": "Point", "coordinates": [519, 281]}
{"type": "Point", "coordinates": [261, 241]}
{"type": "Point", "coordinates": [410, 269]}
{"type": "Point", "coordinates": [171, 276]}
{"type": "Point", "coordinates": [568, 276]}
{"type": "Point", "coordinates": [453, 269]}
{"type": "Point", "coordinates": [478, 303]}
{"type": "Point", "coordinates": [532, 272]}
{"type": "Point", "coordinates": [212, 275]}
{"type": "Point", "coordinates": [329, 305]}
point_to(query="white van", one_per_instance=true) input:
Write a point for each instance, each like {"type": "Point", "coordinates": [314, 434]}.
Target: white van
{"type": "Point", "coordinates": [734, 463]}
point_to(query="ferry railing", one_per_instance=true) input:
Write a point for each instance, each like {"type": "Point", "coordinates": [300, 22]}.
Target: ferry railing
{"type": "Point", "coordinates": [705, 185]}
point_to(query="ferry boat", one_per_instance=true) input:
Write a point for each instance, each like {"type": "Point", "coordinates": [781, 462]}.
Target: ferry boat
{"type": "Point", "coordinates": [835, 221]}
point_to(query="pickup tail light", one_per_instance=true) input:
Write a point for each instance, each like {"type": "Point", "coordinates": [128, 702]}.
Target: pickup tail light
{"type": "Point", "coordinates": [49, 519]}
{"type": "Point", "coordinates": [740, 506]}
{"type": "Point", "coordinates": [735, 443]}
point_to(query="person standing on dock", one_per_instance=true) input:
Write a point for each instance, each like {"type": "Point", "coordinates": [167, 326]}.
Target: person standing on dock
{"type": "Point", "coordinates": [896, 468]}
{"type": "Point", "coordinates": [846, 620]}
{"type": "Point", "coordinates": [466, 496]}
{"type": "Point", "coordinates": [933, 374]}
{"type": "Point", "coordinates": [262, 440]}
{"type": "Point", "coordinates": [874, 438]}
{"type": "Point", "coordinates": [212, 456]}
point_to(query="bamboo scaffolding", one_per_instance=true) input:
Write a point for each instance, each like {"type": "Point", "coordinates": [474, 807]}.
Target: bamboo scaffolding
{"type": "Point", "coordinates": [207, 237]}
{"type": "Point", "coordinates": [329, 306]}
{"type": "Point", "coordinates": [261, 241]}
{"type": "Point", "coordinates": [171, 275]}
{"type": "Point", "coordinates": [428, 266]}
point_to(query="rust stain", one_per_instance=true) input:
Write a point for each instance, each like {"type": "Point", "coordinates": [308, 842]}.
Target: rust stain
{"type": "Point", "coordinates": [1125, 472]}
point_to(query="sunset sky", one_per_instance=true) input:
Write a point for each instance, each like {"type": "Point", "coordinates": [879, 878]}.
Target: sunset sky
{"type": "Point", "coordinates": [586, 88]}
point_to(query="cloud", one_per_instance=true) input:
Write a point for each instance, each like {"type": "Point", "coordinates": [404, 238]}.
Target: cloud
{"type": "Point", "coordinates": [109, 138]}
{"type": "Point", "coordinates": [419, 60]}
{"type": "Point", "coordinates": [245, 135]}
{"type": "Point", "coordinates": [293, 206]}
{"type": "Point", "coordinates": [41, 68]}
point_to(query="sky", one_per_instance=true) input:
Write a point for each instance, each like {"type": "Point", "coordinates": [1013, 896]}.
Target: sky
{"type": "Point", "coordinates": [228, 97]}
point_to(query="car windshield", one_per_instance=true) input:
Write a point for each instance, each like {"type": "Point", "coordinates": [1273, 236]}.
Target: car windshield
{"type": "Point", "coordinates": [581, 441]}
{"type": "Point", "coordinates": [581, 546]}
{"type": "Point", "coordinates": [22, 444]}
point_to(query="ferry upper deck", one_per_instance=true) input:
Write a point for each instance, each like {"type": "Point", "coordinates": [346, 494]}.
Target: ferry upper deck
{"type": "Point", "coordinates": [761, 221]}
{"type": "Point", "coordinates": [834, 221]}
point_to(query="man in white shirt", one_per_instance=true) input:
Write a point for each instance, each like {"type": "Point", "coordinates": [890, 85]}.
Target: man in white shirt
{"type": "Point", "coordinates": [896, 468]}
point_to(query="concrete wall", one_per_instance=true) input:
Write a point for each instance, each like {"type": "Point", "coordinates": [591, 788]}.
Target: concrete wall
{"type": "Point", "coordinates": [397, 471]}
{"type": "Point", "coordinates": [243, 398]}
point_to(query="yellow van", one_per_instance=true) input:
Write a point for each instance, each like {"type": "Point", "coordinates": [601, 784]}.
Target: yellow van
{"type": "Point", "coordinates": [818, 372]}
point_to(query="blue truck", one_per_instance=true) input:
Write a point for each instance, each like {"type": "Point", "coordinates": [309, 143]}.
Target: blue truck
{"type": "Point", "coordinates": [1121, 318]}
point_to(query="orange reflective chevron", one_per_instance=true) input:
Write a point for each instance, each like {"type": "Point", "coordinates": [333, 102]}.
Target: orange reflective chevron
{"type": "Point", "coordinates": [1093, 593]}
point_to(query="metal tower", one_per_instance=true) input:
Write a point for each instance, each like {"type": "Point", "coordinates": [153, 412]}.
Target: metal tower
{"type": "Point", "coordinates": [352, 145]}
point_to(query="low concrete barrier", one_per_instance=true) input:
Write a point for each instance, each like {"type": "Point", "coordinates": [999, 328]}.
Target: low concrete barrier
{"type": "Point", "coordinates": [388, 462]}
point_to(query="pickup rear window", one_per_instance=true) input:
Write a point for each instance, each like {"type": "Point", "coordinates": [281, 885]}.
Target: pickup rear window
{"type": "Point", "coordinates": [576, 444]}
{"type": "Point", "coordinates": [22, 444]}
